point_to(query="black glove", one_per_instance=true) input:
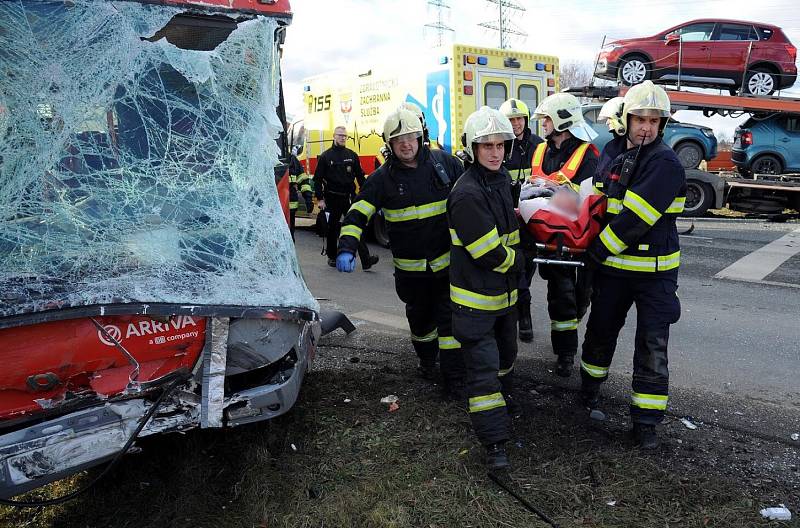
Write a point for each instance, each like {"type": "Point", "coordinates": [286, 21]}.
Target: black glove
{"type": "Point", "coordinates": [590, 262]}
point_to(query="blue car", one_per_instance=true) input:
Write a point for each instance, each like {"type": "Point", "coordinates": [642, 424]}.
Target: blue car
{"type": "Point", "coordinates": [767, 146]}
{"type": "Point", "coordinates": [692, 143]}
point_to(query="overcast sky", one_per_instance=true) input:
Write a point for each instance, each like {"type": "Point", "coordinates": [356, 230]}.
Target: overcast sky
{"type": "Point", "coordinates": [355, 35]}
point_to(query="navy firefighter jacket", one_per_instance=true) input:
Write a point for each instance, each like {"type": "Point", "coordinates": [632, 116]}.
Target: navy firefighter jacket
{"type": "Point", "coordinates": [645, 197]}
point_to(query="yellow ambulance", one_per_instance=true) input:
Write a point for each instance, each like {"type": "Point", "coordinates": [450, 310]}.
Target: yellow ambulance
{"type": "Point", "coordinates": [448, 86]}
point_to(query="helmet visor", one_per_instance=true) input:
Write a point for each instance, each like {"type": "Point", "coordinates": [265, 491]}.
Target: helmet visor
{"type": "Point", "coordinates": [649, 112]}
{"type": "Point", "coordinates": [406, 138]}
{"type": "Point", "coordinates": [583, 131]}
{"type": "Point", "coordinates": [495, 138]}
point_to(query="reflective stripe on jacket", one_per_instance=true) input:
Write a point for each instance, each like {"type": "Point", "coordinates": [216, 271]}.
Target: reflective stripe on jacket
{"type": "Point", "coordinates": [576, 150]}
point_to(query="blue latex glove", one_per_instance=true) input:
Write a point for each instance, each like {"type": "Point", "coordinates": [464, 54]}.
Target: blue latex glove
{"type": "Point", "coordinates": [346, 262]}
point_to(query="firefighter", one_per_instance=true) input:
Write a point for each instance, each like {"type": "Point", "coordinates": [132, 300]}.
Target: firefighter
{"type": "Point", "coordinates": [338, 168]}
{"type": "Point", "coordinates": [484, 275]}
{"type": "Point", "coordinates": [411, 189]}
{"type": "Point", "coordinates": [636, 258]}
{"type": "Point", "coordinates": [568, 157]}
{"type": "Point", "coordinates": [518, 163]}
{"type": "Point", "coordinates": [299, 185]}
{"type": "Point", "coordinates": [385, 151]}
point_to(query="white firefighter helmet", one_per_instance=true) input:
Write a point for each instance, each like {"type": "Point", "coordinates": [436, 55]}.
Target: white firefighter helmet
{"type": "Point", "coordinates": [515, 108]}
{"type": "Point", "coordinates": [567, 115]}
{"type": "Point", "coordinates": [645, 100]}
{"type": "Point", "coordinates": [611, 114]}
{"type": "Point", "coordinates": [407, 105]}
{"type": "Point", "coordinates": [401, 122]}
{"type": "Point", "coordinates": [486, 125]}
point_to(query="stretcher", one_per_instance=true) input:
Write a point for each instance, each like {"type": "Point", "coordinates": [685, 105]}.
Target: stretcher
{"type": "Point", "coordinates": [562, 238]}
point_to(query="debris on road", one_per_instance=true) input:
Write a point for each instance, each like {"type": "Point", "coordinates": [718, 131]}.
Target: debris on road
{"type": "Point", "coordinates": [389, 399]}
{"type": "Point", "coordinates": [597, 415]}
{"type": "Point", "coordinates": [780, 513]}
{"type": "Point", "coordinates": [688, 423]}
{"type": "Point", "coordinates": [795, 437]}
{"type": "Point", "coordinates": [393, 407]}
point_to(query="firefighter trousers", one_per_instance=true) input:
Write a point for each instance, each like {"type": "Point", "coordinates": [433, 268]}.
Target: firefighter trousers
{"type": "Point", "coordinates": [337, 205]}
{"type": "Point", "coordinates": [429, 314]}
{"type": "Point", "coordinates": [489, 346]}
{"type": "Point", "coordinates": [567, 301]}
{"type": "Point", "coordinates": [292, 221]}
{"type": "Point", "coordinates": [657, 307]}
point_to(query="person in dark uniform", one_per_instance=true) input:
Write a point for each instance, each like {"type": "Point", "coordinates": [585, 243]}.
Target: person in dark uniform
{"type": "Point", "coordinates": [485, 265]}
{"type": "Point", "coordinates": [518, 163]}
{"type": "Point", "coordinates": [636, 257]}
{"type": "Point", "coordinates": [338, 168]}
{"type": "Point", "coordinates": [411, 189]}
{"type": "Point", "coordinates": [299, 185]}
{"type": "Point", "coordinates": [567, 157]}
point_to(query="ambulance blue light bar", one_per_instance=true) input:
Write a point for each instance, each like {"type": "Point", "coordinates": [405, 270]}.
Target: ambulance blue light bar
{"type": "Point", "coordinates": [483, 61]}
{"type": "Point", "coordinates": [539, 66]}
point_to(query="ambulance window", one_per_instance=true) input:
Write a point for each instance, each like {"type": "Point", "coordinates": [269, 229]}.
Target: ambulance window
{"type": "Point", "coordinates": [528, 94]}
{"type": "Point", "coordinates": [494, 94]}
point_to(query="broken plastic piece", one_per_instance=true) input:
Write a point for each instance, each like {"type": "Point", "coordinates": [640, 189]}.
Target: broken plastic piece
{"type": "Point", "coordinates": [598, 415]}
{"type": "Point", "coordinates": [688, 424]}
{"type": "Point", "coordinates": [795, 437]}
{"type": "Point", "coordinates": [389, 399]}
{"type": "Point", "coordinates": [780, 513]}
{"type": "Point", "coordinates": [611, 503]}
{"type": "Point", "coordinates": [393, 407]}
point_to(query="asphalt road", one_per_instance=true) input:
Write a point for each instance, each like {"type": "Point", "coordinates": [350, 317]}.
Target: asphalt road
{"type": "Point", "coordinates": [738, 336]}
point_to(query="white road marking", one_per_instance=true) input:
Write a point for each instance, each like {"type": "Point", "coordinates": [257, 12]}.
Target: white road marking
{"type": "Point", "coordinates": [385, 319]}
{"type": "Point", "coordinates": [763, 261]}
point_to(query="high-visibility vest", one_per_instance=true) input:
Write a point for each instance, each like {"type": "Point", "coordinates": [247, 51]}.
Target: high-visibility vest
{"type": "Point", "coordinates": [567, 171]}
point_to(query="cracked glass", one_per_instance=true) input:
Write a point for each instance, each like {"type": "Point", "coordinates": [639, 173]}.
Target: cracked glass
{"type": "Point", "coordinates": [137, 158]}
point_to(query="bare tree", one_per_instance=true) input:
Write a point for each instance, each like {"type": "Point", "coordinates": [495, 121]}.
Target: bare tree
{"type": "Point", "coordinates": [574, 73]}
{"type": "Point", "coordinates": [724, 142]}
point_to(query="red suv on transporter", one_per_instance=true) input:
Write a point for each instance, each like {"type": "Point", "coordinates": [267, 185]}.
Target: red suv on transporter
{"type": "Point", "coordinates": [706, 52]}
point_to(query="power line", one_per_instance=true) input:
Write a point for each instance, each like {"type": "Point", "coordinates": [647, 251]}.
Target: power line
{"type": "Point", "coordinates": [439, 23]}
{"type": "Point", "coordinates": [503, 24]}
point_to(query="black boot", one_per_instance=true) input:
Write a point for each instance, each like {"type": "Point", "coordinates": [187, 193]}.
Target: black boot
{"type": "Point", "coordinates": [496, 456]}
{"type": "Point", "coordinates": [525, 323]}
{"type": "Point", "coordinates": [427, 369]}
{"type": "Point", "coordinates": [645, 436]}
{"type": "Point", "coordinates": [371, 261]}
{"type": "Point", "coordinates": [332, 262]}
{"type": "Point", "coordinates": [590, 396]}
{"type": "Point", "coordinates": [564, 365]}
{"type": "Point", "coordinates": [454, 390]}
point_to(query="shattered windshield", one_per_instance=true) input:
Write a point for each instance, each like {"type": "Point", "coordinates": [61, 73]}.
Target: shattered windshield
{"type": "Point", "coordinates": [137, 159]}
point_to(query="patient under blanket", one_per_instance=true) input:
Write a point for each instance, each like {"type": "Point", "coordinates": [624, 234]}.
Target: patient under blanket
{"type": "Point", "coordinates": [562, 214]}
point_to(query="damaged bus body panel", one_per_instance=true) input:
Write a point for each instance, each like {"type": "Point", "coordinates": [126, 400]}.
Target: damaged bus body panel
{"type": "Point", "coordinates": [148, 281]}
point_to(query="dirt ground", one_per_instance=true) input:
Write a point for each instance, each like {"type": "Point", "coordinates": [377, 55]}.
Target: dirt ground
{"type": "Point", "coordinates": [342, 459]}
